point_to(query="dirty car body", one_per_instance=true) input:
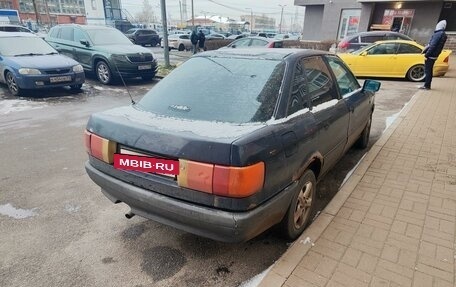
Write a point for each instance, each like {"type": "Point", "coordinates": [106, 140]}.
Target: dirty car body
{"type": "Point", "coordinates": [249, 153]}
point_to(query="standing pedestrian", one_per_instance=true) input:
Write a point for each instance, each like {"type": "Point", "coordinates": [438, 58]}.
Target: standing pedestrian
{"type": "Point", "coordinates": [194, 40]}
{"type": "Point", "coordinates": [201, 40]}
{"type": "Point", "coordinates": [432, 52]}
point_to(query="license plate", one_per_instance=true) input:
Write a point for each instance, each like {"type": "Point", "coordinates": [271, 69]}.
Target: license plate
{"type": "Point", "coordinates": [60, 79]}
{"type": "Point", "coordinates": [129, 152]}
{"type": "Point", "coordinates": [144, 67]}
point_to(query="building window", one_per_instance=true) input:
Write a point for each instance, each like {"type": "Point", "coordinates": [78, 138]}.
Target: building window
{"type": "Point", "coordinates": [349, 22]}
{"type": "Point", "coordinates": [399, 20]}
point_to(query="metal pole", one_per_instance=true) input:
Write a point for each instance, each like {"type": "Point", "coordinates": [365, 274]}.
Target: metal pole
{"type": "Point", "coordinates": [281, 17]}
{"type": "Point", "coordinates": [180, 9]}
{"type": "Point", "coordinates": [251, 19]}
{"type": "Point", "coordinates": [193, 17]}
{"type": "Point", "coordinates": [37, 15]}
{"type": "Point", "coordinates": [165, 32]}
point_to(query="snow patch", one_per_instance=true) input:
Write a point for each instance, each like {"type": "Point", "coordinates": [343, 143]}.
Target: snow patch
{"type": "Point", "coordinates": [351, 171]}
{"type": "Point", "coordinates": [17, 213]}
{"type": "Point", "coordinates": [390, 120]}
{"type": "Point", "coordinates": [307, 241]}
{"type": "Point", "coordinates": [10, 106]}
{"type": "Point", "coordinates": [70, 208]}
{"type": "Point", "coordinates": [255, 281]}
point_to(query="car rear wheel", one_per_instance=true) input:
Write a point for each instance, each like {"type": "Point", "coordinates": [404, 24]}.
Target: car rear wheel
{"type": "Point", "coordinates": [181, 47]}
{"type": "Point", "coordinates": [12, 84]}
{"type": "Point", "coordinates": [104, 74]}
{"type": "Point", "coordinates": [301, 208]}
{"type": "Point", "coordinates": [416, 73]}
{"type": "Point", "coordinates": [153, 43]}
{"type": "Point", "coordinates": [363, 140]}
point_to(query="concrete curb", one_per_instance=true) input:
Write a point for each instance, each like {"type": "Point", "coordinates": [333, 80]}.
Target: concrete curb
{"type": "Point", "coordinates": [283, 268]}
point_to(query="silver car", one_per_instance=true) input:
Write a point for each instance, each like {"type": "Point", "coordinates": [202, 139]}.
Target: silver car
{"type": "Point", "coordinates": [179, 42]}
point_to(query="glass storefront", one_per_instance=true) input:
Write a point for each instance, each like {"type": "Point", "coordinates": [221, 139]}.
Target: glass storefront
{"type": "Point", "coordinates": [349, 22]}
{"type": "Point", "coordinates": [399, 20]}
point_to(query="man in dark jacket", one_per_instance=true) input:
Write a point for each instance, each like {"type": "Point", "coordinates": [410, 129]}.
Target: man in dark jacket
{"type": "Point", "coordinates": [194, 40]}
{"type": "Point", "coordinates": [201, 40]}
{"type": "Point", "coordinates": [432, 52]}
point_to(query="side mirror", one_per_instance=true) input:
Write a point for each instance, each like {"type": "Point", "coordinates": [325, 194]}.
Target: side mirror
{"type": "Point", "coordinates": [84, 42]}
{"type": "Point", "coordinates": [371, 86]}
{"type": "Point", "coordinates": [364, 53]}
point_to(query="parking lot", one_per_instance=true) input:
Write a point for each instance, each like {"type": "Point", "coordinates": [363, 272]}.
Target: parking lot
{"type": "Point", "coordinates": [59, 230]}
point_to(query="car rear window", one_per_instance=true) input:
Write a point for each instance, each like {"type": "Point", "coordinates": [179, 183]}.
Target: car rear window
{"type": "Point", "coordinates": [236, 90]}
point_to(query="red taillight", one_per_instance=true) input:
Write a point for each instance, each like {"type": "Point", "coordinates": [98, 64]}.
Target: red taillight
{"type": "Point", "coordinates": [446, 59]}
{"type": "Point", "coordinates": [221, 180]}
{"type": "Point", "coordinates": [99, 147]}
{"type": "Point", "coordinates": [343, 44]}
{"type": "Point", "coordinates": [270, 45]}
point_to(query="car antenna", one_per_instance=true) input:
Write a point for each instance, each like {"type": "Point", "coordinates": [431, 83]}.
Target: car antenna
{"type": "Point", "coordinates": [125, 85]}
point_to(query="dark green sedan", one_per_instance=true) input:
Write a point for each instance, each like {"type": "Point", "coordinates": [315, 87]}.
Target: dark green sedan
{"type": "Point", "coordinates": [104, 51]}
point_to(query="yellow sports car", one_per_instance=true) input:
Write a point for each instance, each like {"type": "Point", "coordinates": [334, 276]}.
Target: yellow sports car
{"type": "Point", "coordinates": [394, 59]}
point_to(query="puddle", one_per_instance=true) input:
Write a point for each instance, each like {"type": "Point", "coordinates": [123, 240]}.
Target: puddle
{"type": "Point", "coordinates": [16, 213]}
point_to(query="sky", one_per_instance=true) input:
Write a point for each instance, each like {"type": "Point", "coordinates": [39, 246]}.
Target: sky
{"type": "Point", "coordinates": [226, 8]}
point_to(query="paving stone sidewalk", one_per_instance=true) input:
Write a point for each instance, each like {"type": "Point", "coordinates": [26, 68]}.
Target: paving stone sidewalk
{"type": "Point", "coordinates": [393, 223]}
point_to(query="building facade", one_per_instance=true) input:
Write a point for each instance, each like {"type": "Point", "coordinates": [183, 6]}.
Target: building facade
{"type": "Point", "coordinates": [51, 12]}
{"type": "Point", "coordinates": [334, 19]}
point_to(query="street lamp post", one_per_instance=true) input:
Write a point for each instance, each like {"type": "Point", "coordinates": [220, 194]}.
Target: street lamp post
{"type": "Point", "coordinates": [281, 17]}
{"type": "Point", "coordinates": [193, 17]}
{"type": "Point", "coordinates": [251, 18]}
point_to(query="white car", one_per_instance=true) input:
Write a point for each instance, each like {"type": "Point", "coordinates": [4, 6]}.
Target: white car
{"type": "Point", "coordinates": [179, 42]}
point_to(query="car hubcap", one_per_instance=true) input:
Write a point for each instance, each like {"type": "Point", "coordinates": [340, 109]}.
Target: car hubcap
{"type": "Point", "coordinates": [103, 73]}
{"type": "Point", "coordinates": [418, 73]}
{"type": "Point", "coordinates": [11, 83]}
{"type": "Point", "coordinates": [303, 205]}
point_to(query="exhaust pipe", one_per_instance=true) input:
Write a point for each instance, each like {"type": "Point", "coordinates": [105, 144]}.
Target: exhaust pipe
{"type": "Point", "coordinates": [129, 215]}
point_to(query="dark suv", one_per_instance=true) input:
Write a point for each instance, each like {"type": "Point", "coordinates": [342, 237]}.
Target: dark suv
{"type": "Point", "coordinates": [143, 36]}
{"type": "Point", "coordinates": [103, 50]}
{"type": "Point", "coordinates": [362, 39]}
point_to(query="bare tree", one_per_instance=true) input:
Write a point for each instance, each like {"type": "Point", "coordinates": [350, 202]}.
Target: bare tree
{"type": "Point", "coordinates": [146, 16]}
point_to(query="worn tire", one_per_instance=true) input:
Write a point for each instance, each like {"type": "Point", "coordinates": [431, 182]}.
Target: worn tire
{"type": "Point", "coordinates": [12, 84]}
{"type": "Point", "coordinates": [103, 72]}
{"type": "Point", "coordinates": [416, 73]}
{"type": "Point", "coordinates": [181, 47]}
{"type": "Point", "coordinates": [299, 212]}
{"type": "Point", "coordinates": [363, 140]}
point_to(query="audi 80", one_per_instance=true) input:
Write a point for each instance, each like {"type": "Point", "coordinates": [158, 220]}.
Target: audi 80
{"type": "Point", "coordinates": [250, 144]}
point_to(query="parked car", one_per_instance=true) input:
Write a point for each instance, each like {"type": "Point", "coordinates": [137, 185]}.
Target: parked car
{"type": "Point", "coordinates": [394, 59]}
{"type": "Point", "coordinates": [215, 36]}
{"type": "Point", "coordinates": [363, 39]}
{"type": "Point", "coordinates": [255, 42]}
{"type": "Point", "coordinates": [104, 51]}
{"type": "Point", "coordinates": [179, 42]}
{"type": "Point", "coordinates": [143, 36]}
{"type": "Point", "coordinates": [28, 62]}
{"type": "Point", "coordinates": [235, 37]}
{"type": "Point", "coordinates": [249, 155]}
{"type": "Point", "coordinates": [14, 28]}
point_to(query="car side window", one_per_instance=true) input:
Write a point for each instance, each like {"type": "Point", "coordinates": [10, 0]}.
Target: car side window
{"type": "Point", "coordinates": [258, 42]}
{"type": "Point", "coordinates": [383, 49]}
{"type": "Point", "coordinates": [66, 33]}
{"type": "Point", "coordinates": [371, 39]}
{"type": "Point", "coordinates": [54, 32]}
{"type": "Point", "coordinates": [319, 82]}
{"type": "Point", "coordinates": [184, 37]}
{"type": "Point", "coordinates": [345, 79]}
{"type": "Point", "coordinates": [242, 43]}
{"type": "Point", "coordinates": [298, 97]}
{"type": "Point", "coordinates": [408, 49]}
{"type": "Point", "coordinates": [354, 40]}
{"type": "Point", "coordinates": [24, 30]}
{"type": "Point", "coordinates": [78, 35]}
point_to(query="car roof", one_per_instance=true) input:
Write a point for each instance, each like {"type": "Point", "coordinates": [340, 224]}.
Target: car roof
{"type": "Point", "coordinates": [16, 34]}
{"type": "Point", "coordinates": [86, 27]}
{"type": "Point", "coordinates": [261, 53]}
{"type": "Point", "coordinates": [399, 41]}
{"type": "Point", "coordinates": [262, 38]}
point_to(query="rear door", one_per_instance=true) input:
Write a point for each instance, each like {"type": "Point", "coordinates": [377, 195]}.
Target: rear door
{"type": "Point", "coordinates": [329, 110]}
{"type": "Point", "coordinates": [64, 42]}
{"type": "Point", "coordinates": [358, 103]}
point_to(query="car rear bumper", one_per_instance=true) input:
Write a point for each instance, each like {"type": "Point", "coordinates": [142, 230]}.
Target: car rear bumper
{"type": "Point", "coordinates": [440, 70]}
{"type": "Point", "coordinates": [204, 221]}
{"type": "Point", "coordinates": [43, 81]}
